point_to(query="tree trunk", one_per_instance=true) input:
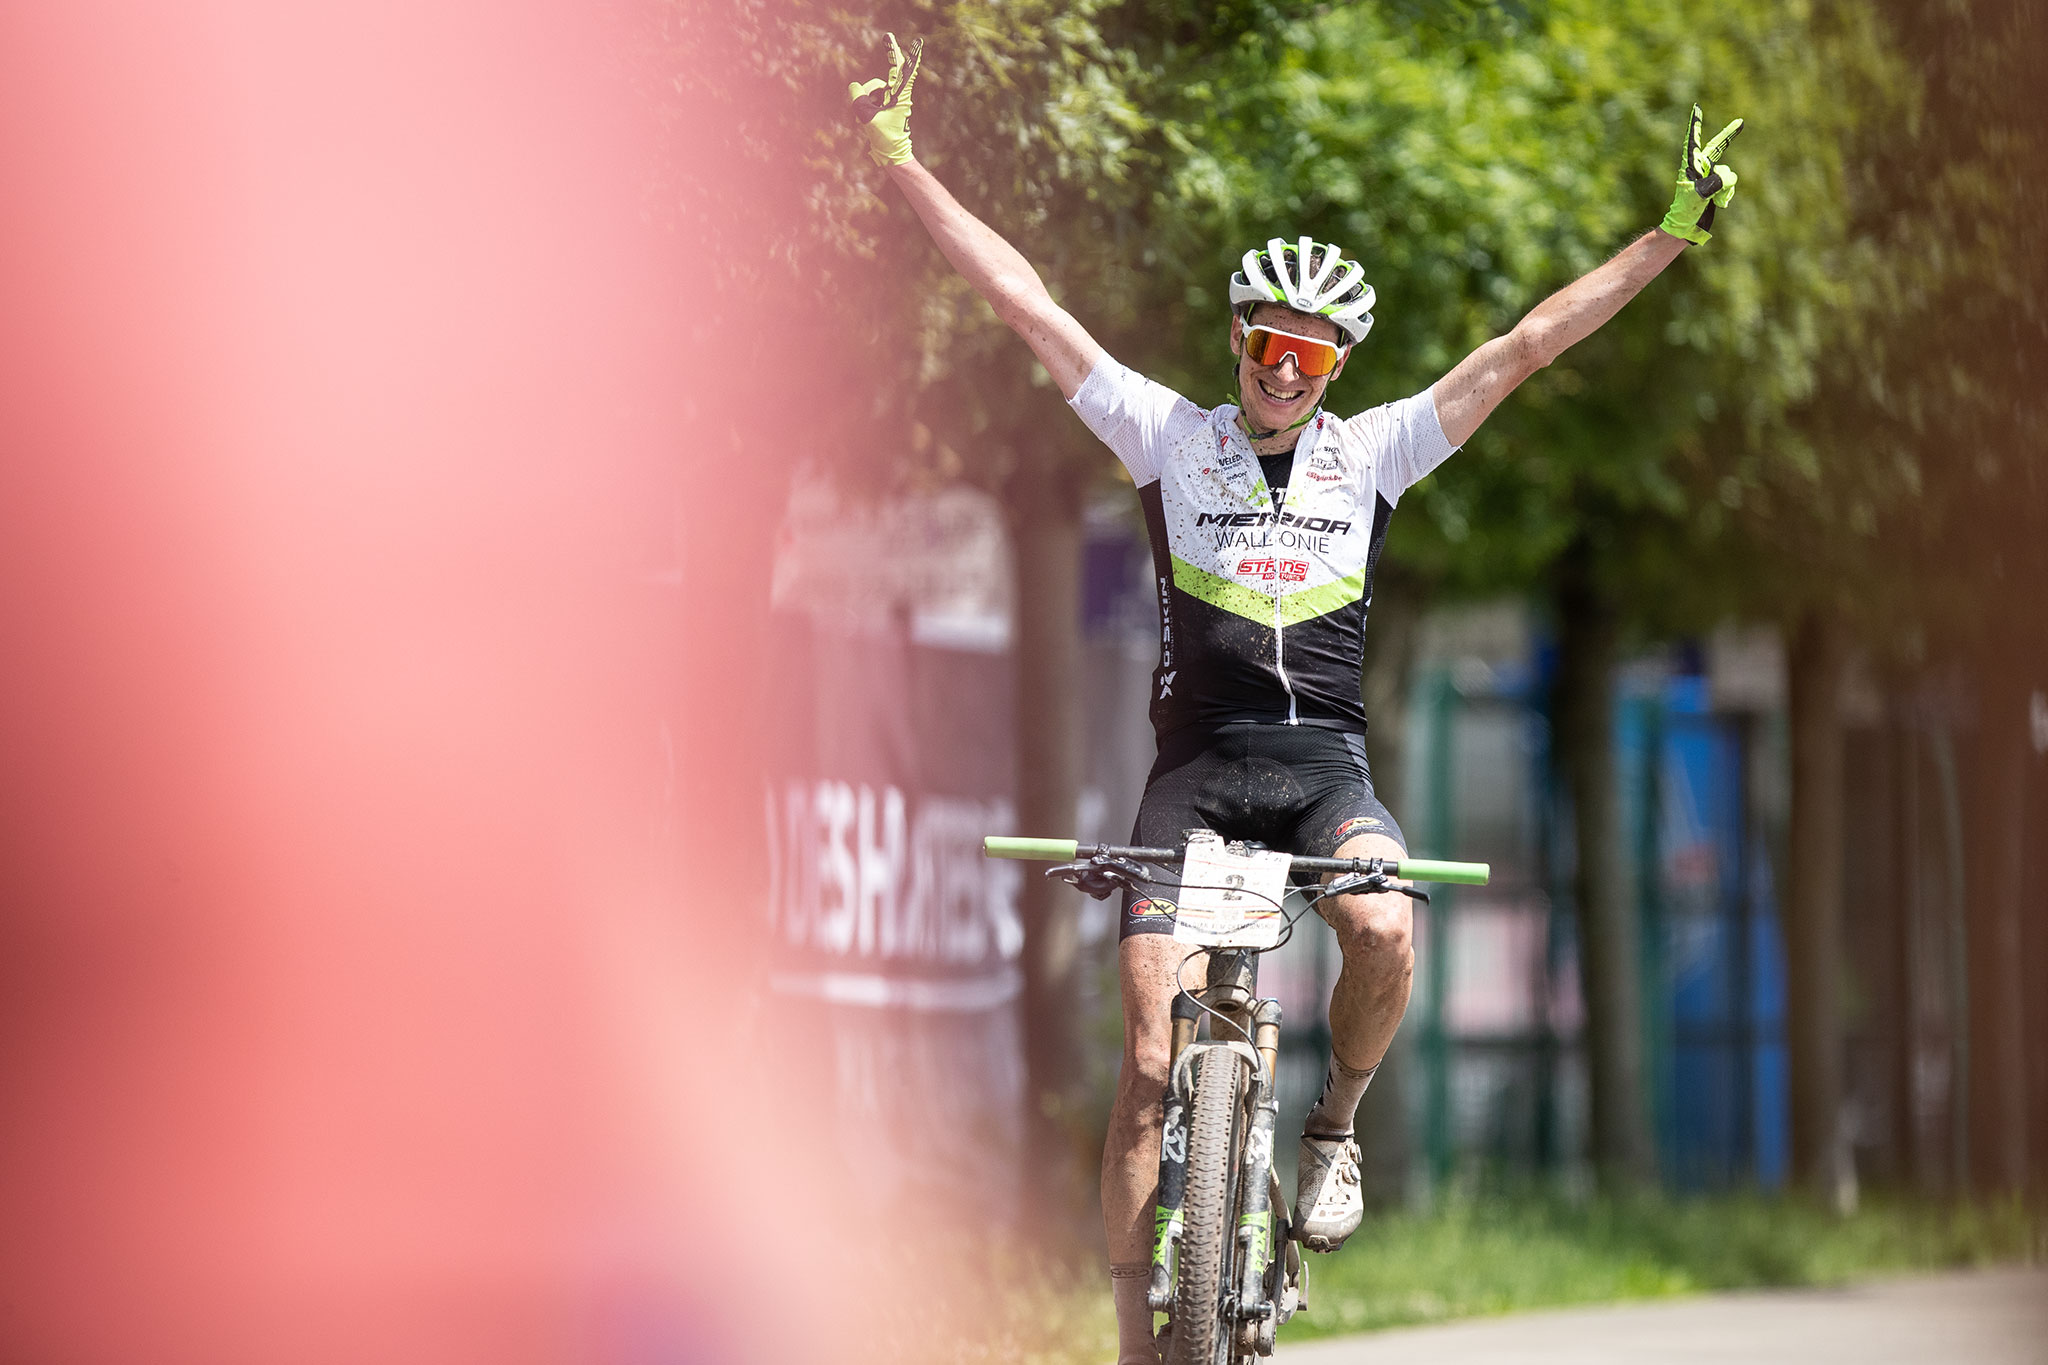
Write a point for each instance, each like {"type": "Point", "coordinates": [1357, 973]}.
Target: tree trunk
{"type": "Point", "coordinates": [1813, 914]}
{"type": "Point", "coordinates": [1994, 884]}
{"type": "Point", "coordinates": [1610, 957]}
{"type": "Point", "coordinates": [1043, 507]}
{"type": "Point", "coordinates": [2034, 933]}
{"type": "Point", "coordinates": [1395, 621]}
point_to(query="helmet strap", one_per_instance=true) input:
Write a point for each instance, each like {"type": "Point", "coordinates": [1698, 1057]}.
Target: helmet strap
{"type": "Point", "coordinates": [1244, 422]}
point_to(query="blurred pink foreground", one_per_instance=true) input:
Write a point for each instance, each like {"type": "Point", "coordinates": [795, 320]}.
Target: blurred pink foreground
{"type": "Point", "coordinates": [381, 810]}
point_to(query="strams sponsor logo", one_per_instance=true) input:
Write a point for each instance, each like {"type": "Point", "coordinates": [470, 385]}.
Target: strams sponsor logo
{"type": "Point", "coordinates": [1285, 570]}
{"type": "Point", "coordinates": [1152, 906]}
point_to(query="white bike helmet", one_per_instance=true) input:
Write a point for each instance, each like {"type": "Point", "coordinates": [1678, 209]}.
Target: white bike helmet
{"type": "Point", "coordinates": [1311, 276]}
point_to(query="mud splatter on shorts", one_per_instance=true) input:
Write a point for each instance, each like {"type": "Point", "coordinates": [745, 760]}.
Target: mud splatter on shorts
{"type": "Point", "coordinates": [1300, 788]}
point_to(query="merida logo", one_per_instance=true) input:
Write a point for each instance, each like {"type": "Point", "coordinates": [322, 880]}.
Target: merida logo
{"type": "Point", "coordinates": [1335, 528]}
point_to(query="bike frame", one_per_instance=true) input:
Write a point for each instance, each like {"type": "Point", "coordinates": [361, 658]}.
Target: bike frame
{"type": "Point", "coordinates": [1252, 1300]}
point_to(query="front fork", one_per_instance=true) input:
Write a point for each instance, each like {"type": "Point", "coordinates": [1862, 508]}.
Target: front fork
{"type": "Point", "coordinates": [1255, 1207]}
{"type": "Point", "coordinates": [1173, 1166]}
{"type": "Point", "coordinates": [1255, 1233]}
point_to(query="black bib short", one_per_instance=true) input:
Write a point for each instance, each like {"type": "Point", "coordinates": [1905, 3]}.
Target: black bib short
{"type": "Point", "coordinates": [1299, 788]}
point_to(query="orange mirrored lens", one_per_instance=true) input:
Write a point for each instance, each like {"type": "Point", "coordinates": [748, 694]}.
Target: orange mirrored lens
{"type": "Point", "coordinates": [1267, 347]}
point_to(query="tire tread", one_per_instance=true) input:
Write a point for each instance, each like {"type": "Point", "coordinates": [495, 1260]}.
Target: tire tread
{"type": "Point", "coordinates": [1197, 1292]}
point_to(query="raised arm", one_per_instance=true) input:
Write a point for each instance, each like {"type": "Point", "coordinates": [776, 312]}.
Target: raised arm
{"type": "Point", "coordinates": [997, 270]}
{"type": "Point", "coordinates": [1468, 394]}
{"type": "Point", "coordinates": [1000, 274]}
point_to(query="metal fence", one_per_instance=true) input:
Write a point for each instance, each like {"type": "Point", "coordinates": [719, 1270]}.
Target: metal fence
{"type": "Point", "coordinates": [1497, 1015]}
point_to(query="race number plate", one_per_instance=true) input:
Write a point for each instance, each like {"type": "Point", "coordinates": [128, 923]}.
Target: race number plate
{"type": "Point", "coordinates": [1229, 896]}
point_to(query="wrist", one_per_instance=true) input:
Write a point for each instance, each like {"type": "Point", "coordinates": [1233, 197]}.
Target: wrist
{"type": "Point", "coordinates": [1690, 218]}
{"type": "Point", "coordinates": [888, 147]}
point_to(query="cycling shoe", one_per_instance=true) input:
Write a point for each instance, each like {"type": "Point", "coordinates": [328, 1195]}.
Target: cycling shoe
{"type": "Point", "coordinates": [1328, 1201]}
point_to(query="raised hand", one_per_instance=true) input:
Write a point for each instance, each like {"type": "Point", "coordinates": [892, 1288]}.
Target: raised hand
{"type": "Point", "coordinates": [1703, 183]}
{"type": "Point", "coordinates": [882, 107]}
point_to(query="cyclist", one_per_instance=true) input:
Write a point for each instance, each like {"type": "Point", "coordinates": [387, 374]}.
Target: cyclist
{"type": "Point", "coordinates": [1266, 519]}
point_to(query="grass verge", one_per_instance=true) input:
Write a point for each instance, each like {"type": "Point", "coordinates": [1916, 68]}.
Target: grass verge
{"type": "Point", "coordinates": [1472, 1256]}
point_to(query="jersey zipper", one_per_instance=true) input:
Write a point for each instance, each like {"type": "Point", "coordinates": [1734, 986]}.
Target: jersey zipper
{"type": "Point", "coordinates": [1280, 663]}
{"type": "Point", "coordinates": [1280, 638]}
{"type": "Point", "coordinates": [1279, 615]}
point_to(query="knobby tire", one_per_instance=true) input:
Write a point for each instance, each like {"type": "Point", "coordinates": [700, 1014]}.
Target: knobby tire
{"type": "Point", "coordinates": [1198, 1326]}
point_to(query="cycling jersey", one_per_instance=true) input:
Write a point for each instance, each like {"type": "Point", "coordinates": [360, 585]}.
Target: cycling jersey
{"type": "Point", "coordinates": [1261, 607]}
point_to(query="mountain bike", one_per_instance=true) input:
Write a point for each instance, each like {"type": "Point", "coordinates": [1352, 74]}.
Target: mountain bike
{"type": "Point", "coordinates": [1225, 1267]}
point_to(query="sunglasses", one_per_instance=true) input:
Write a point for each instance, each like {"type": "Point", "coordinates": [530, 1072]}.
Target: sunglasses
{"type": "Point", "coordinates": [1268, 347]}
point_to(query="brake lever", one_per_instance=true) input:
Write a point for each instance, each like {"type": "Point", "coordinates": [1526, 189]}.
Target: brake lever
{"type": "Point", "coordinates": [1354, 883]}
{"type": "Point", "coordinates": [1367, 884]}
{"type": "Point", "coordinates": [1100, 877]}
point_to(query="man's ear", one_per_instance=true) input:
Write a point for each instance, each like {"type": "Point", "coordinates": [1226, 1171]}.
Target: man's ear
{"type": "Point", "coordinates": [1342, 356]}
{"type": "Point", "coordinates": [1237, 334]}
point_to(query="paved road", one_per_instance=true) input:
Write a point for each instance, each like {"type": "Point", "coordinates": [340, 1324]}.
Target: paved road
{"type": "Point", "coordinates": [1997, 1317]}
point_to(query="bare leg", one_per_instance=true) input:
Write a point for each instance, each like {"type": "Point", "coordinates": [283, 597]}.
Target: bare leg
{"type": "Point", "coordinates": [1374, 933]}
{"type": "Point", "coordinates": [1376, 936]}
{"type": "Point", "coordinates": [1147, 965]}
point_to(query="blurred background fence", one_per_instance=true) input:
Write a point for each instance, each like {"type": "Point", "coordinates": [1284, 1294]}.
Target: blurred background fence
{"type": "Point", "coordinates": [1489, 1078]}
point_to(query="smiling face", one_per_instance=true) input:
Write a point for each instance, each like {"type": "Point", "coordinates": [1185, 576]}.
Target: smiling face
{"type": "Point", "coordinates": [1278, 396]}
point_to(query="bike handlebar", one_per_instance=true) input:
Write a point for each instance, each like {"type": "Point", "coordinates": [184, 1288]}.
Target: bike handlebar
{"type": "Point", "coordinates": [1436, 870]}
{"type": "Point", "coordinates": [1067, 850]}
{"type": "Point", "coordinates": [1048, 850]}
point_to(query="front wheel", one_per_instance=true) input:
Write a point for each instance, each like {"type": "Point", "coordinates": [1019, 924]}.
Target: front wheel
{"type": "Point", "coordinates": [1201, 1333]}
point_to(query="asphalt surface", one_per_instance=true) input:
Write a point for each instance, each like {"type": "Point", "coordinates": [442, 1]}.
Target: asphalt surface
{"type": "Point", "coordinates": [1993, 1317]}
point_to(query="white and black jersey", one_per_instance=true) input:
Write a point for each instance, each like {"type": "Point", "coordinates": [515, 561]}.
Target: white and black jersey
{"type": "Point", "coordinates": [1262, 598]}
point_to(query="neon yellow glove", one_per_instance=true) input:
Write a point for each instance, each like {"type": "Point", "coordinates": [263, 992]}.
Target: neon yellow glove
{"type": "Point", "coordinates": [1703, 185]}
{"type": "Point", "coordinates": [882, 108]}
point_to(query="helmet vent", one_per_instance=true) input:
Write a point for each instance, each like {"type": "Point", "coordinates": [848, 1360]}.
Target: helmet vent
{"type": "Point", "coordinates": [1311, 277]}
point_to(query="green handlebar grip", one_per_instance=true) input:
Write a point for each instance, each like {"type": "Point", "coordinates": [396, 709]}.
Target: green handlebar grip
{"type": "Point", "coordinates": [1051, 850]}
{"type": "Point", "coordinates": [1427, 870]}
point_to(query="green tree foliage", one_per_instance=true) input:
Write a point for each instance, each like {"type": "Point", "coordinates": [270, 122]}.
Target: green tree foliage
{"type": "Point", "coordinates": [1919, 507]}
{"type": "Point", "coordinates": [1477, 157]}
{"type": "Point", "coordinates": [1715, 439]}
{"type": "Point", "coordinates": [1022, 108]}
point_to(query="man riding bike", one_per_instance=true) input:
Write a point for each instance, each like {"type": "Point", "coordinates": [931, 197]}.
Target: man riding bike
{"type": "Point", "coordinates": [1266, 519]}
